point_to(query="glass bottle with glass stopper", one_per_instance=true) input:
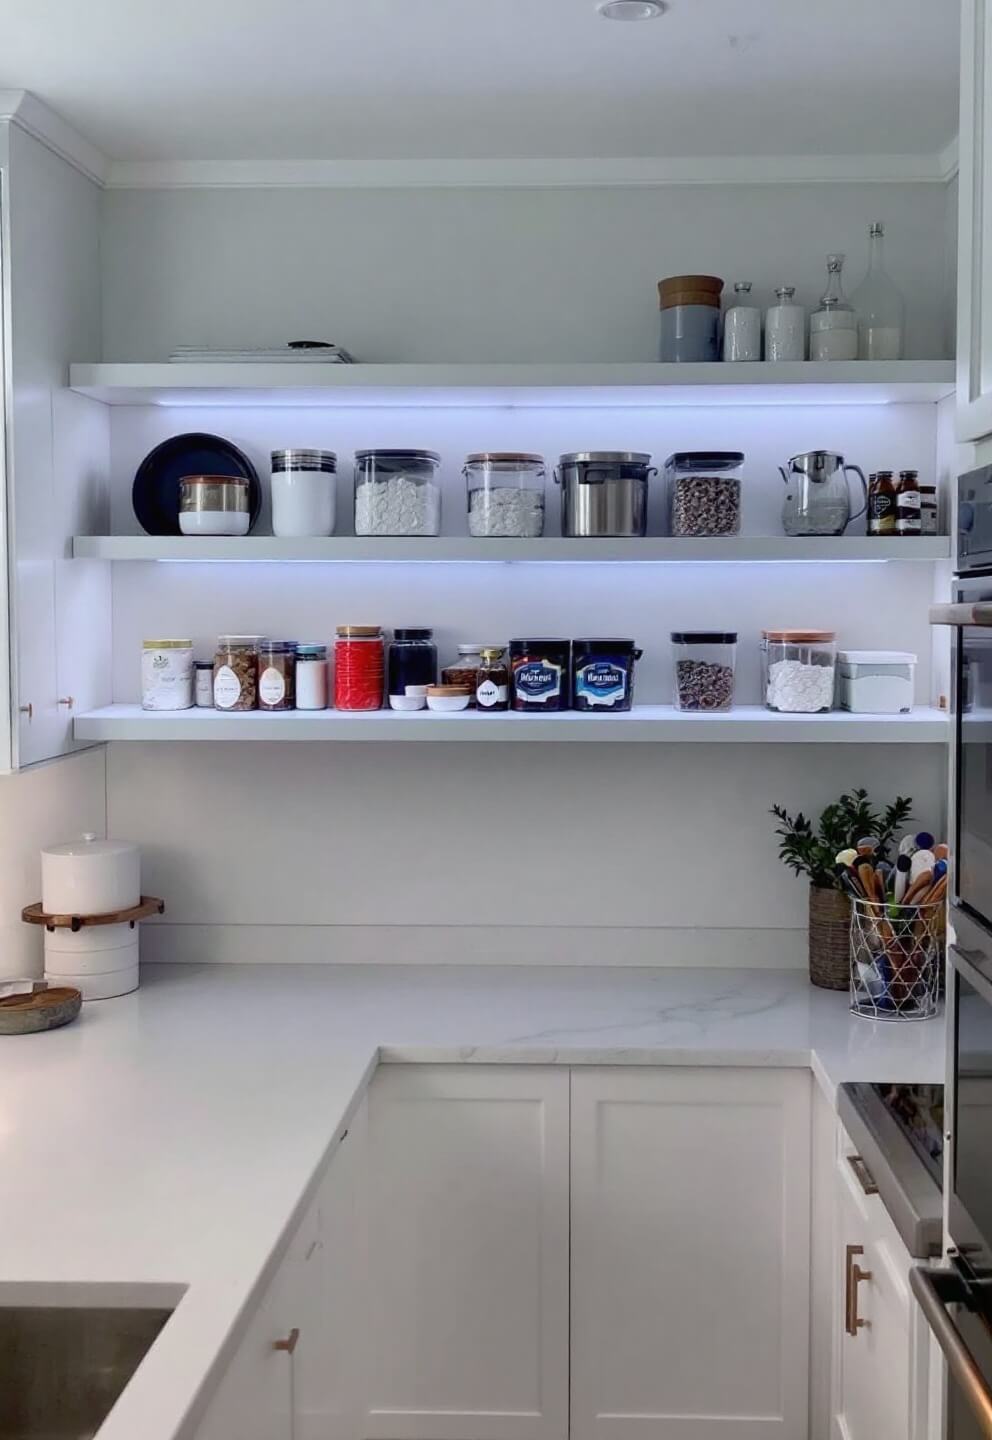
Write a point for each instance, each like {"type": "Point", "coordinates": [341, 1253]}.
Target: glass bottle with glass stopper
{"type": "Point", "coordinates": [833, 327]}
{"type": "Point", "coordinates": [879, 305]}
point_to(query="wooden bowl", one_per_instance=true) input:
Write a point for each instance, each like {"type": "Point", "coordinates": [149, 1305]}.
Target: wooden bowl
{"type": "Point", "coordinates": [44, 1010]}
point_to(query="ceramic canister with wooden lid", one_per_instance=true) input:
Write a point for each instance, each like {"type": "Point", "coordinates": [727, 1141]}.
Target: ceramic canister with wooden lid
{"type": "Point", "coordinates": [89, 877]}
{"type": "Point", "coordinates": [690, 318]}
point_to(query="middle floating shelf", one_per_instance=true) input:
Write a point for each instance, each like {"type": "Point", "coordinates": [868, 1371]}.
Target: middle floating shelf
{"type": "Point", "coordinates": [464, 549]}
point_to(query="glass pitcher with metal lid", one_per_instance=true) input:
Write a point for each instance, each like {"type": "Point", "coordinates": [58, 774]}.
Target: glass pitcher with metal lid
{"type": "Point", "coordinates": [818, 499]}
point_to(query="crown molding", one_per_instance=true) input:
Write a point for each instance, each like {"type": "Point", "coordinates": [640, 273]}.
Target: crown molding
{"type": "Point", "coordinates": [35, 118]}
{"type": "Point", "coordinates": [527, 174]}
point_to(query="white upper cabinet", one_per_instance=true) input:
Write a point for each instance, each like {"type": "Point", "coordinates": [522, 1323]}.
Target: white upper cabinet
{"type": "Point", "coordinates": [468, 1253]}
{"type": "Point", "coordinates": [690, 1254]}
{"type": "Point", "coordinates": [975, 224]}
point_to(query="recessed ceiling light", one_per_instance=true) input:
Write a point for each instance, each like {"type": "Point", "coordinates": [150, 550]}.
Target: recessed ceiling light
{"type": "Point", "coordinates": [632, 9]}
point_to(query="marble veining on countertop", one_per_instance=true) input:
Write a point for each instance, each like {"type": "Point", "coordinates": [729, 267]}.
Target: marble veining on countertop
{"type": "Point", "coordinates": [169, 1136]}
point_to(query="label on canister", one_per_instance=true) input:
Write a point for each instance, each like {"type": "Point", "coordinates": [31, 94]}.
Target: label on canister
{"type": "Point", "coordinates": [602, 683]}
{"type": "Point", "coordinates": [227, 688]}
{"type": "Point", "coordinates": [489, 695]}
{"type": "Point", "coordinates": [538, 681]}
{"type": "Point", "coordinates": [271, 686]}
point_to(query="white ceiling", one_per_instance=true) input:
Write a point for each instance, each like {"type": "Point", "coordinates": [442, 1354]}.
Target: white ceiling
{"type": "Point", "coordinates": [466, 79]}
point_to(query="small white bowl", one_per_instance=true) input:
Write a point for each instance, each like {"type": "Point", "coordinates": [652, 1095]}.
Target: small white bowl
{"type": "Point", "coordinates": [448, 697]}
{"type": "Point", "coordinates": [408, 701]}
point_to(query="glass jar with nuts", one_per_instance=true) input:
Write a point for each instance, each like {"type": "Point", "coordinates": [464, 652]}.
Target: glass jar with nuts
{"type": "Point", "coordinates": [236, 672]}
{"type": "Point", "coordinates": [704, 669]}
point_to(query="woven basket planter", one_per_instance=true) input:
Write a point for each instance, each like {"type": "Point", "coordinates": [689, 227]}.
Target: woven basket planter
{"type": "Point", "coordinates": [829, 939]}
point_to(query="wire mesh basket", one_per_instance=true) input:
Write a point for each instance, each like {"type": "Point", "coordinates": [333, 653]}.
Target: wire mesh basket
{"type": "Point", "coordinates": [897, 955]}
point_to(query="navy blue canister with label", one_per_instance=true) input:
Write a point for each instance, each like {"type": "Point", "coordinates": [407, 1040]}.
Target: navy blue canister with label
{"type": "Point", "coordinates": [603, 674]}
{"type": "Point", "coordinates": [539, 675]}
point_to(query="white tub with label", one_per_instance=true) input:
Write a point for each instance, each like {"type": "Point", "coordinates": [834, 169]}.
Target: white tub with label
{"type": "Point", "coordinates": [875, 682]}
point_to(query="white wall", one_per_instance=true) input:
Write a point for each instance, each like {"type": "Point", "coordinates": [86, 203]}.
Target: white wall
{"type": "Point", "coordinates": [482, 274]}
{"type": "Point", "coordinates": [41, 806]}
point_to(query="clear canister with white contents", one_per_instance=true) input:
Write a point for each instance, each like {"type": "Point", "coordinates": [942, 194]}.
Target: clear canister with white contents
{"type": "Point", "coordinates": [798, 669]}
{"type": "Point", "coordinates": [397, 492]}
{"type": "Point", "coordinates": [505, 494]}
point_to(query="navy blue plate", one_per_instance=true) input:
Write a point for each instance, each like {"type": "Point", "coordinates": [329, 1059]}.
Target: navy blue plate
{"type": "Point", "coordinates": [155, 492]}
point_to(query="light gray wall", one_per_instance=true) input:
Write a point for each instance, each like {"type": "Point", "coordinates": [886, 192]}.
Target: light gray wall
{"type": "Point", "coordinates": [410, 275]}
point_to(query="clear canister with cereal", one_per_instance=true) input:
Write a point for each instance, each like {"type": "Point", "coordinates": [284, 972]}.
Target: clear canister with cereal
{"type": "Point", "coordinates": [704, 492]}
{"type": "Point", "coordinates": [704, 668]}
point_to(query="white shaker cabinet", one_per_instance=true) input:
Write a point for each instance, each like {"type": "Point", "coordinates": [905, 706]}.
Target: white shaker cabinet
{"type": "Point", "coordinates": [881, 1351]}
{"type": "Point", "coordinates": [690, 1254]}
{"type": "Point", "coordinates": [975, 223]}
{"type": "Point", "coordinates": [467, 1253]}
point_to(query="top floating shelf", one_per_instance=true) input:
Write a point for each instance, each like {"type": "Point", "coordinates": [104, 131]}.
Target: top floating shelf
{"type": "Point", "coordinates": [859, 382]}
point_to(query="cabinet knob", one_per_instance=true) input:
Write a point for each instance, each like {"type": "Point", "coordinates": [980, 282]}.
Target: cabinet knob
{"type": "Point", "coordinates": [67, 701]}
{"type": "Point", "coordinates": [290, 1343]}
{"type": "Point", "coordinates": [27, 710]}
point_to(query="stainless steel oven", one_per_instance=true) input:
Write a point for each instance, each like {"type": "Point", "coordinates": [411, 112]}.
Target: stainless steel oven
{"type": "Point", "coordinates": [957, 1298]}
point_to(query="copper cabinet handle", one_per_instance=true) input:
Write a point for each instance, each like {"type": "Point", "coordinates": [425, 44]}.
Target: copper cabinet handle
{"type": "Point", "coordinates": [67, 701]}
{"type": "Point", "coordinates": [290, 1343]}
{"type": "Point", "coordinates": [864, 1176]}
{"type": "Point", "coordinates": [853, 1277]}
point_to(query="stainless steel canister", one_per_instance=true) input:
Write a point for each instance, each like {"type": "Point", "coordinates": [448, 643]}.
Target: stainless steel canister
{"type": "Point", "coordinates": [218, 493]}
{"type": "Point", "coordinates": [604, 493]}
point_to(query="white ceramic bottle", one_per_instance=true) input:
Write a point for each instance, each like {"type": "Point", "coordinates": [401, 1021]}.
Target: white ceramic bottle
{"type": "Point", "coordinates": [742, 326]}
{"type": "Point", "coordinates": [785, 327]}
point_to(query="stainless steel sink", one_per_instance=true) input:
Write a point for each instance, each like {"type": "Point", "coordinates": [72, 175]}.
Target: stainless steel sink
{"type": "Point", "coordinates": [62, 1367]}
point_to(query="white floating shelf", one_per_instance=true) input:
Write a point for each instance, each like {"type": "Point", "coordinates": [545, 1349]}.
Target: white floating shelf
{"type": "Point", "coordinates": [857, 382]}
{"type": "Point", "coordinates": [737, 548]}
{"type": "Point", "coordinates": [643, 723]}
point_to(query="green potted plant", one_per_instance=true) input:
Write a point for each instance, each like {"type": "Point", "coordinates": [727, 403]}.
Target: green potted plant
{"type": "Point", "coordinates": [813, 852]}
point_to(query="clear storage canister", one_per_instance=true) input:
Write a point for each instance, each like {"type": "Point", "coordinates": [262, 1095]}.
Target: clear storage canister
{"type": "Point", "coordinates": [505, 494]}
{"type": "Point", "coordinates": [704, 492]}
{"type": "Point", "coordinates": [397, 492]}
{"type": "Point", "coordinates": [277, 675]}
{"type": "Point", "coordinates": [359, 667]}
{"type": "Point", "coordinates": [704, 668]}
{"type": "Point", "coordinates": [411, 669]}
{"type": "Point", "coordinates": [311, 677]}
{"type": "Point", "coordinates": [798, 668]}
{"type": "Point", "coordinates": [236, 672]}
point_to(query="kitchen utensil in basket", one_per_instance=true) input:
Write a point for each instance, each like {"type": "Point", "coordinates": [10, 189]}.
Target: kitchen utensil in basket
{"type": "Point", "coordinates": [896, 956]}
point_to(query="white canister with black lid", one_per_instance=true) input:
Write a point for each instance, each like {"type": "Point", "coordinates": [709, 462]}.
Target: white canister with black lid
{"type": "Point", "coordinates": [304, 492]}
{"type": "Point", "coordinates": [90, 876]}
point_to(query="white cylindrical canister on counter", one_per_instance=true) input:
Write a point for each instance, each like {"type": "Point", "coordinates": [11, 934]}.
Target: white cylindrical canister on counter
{"type": "Point", "coordinates": [100, 961]}
{"type": "Point", "coordinates": [90, 877]}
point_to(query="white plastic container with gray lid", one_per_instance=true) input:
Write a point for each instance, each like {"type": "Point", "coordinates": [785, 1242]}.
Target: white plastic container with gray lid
{"type": "Point", "coordinates": [875, 682]}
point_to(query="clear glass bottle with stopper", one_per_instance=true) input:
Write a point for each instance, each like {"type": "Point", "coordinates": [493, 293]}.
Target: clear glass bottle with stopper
{"type": "Point", "coordinates": [879, 304]}
{"type": "Point", "coordinates": [785, 327]}
{"type": "Point", "coordinates": [833, 327]}
{"type": "Point", "coordinates": [742, 326]}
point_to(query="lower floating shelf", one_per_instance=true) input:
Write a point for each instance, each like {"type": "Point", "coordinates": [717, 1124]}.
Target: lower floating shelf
{"type": "Point", "coordinates": [749, 723]}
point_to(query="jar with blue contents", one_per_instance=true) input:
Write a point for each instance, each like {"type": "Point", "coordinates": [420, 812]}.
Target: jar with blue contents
{"type": "Point", "coordinates": [603, 674]}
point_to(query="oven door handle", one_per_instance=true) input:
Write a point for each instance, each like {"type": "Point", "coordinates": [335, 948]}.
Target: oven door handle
{"type": "Point", "coordinates": [935, 1290]}
{"type": "Point", "coordinates": [979, 613]}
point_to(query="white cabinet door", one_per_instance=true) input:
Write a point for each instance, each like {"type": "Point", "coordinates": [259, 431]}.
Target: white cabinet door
{"type": "Point", "coordinates": [468, 1253]}
{"type": "Point", "coordinates": [975, 223]}
{"type": "Point", "coordinates": [881, 1353]}
{"type": "Point", "coordinates": [254, 1399]}
{"type": "Point", "coordinates": [690, 1254]}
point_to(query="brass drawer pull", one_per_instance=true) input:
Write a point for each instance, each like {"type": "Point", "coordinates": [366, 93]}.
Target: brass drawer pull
{"type": "Point", "coordinates": [290, 1343]}
{"type": "Point", "coordinates": [853, 1277]}
{"type": "Point", "coordinates": [864, 1176]}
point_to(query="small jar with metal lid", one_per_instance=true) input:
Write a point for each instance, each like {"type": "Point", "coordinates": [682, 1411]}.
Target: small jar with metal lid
{"type": "Point", "coordinates": [464, 671]}
{"type": "Point", "coordinates": [303, 492]}
{"type": "Point", "coordinates": [492, 686]}
{"type": "Point", "coordinates": [277, 675]}
{"type": "Point", "coordinates": [397, 492]}
{"type": "Point", "coordinates": [167, 675]}
{"type": "Point", "coordinates": [798, 670]}
{"type": "Point", "coordinates": [412, 668]}
{"type": "Point", "coordinates": [236, 672]}
{"type": "Point", "coordinates": [505, 494]}
{"type": "Point", "coordinates": [311, 677]}
{"type": "Point", "coordinates": [359, 667]}
{"type": "Point", "coordinates": [203, 684]}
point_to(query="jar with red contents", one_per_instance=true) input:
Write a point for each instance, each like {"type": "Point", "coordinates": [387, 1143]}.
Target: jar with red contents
{"type": "Point", "coordinates": [359, 667]}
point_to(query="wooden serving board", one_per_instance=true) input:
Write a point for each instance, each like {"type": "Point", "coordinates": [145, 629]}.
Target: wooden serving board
{"type": "Point", "coordinates": [44, 1010]}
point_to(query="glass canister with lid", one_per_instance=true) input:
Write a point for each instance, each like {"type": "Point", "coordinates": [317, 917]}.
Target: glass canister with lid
{"type": "Point", "coordinates": [798, 670]}
{"type": "Point", "coordinates": [465, 670]}
{"type": "Point", "coordinates": [311, 677]}
{"type": "Point", "coordinates": [277, 675]}
{"type": "Point", "coordinates": [236, 672]}
{"type": "Point", "coordinates": [412, 668]}
{"type": "Point", "coordinates": [505, 494]}
{"type": "Point", "coordinates": [397, 492]}
{"type": "Point", "coordinates": [704, 669]}
{"type": "Point", "coordinates": [704, 492]}
{"type": "Point", "coordinates": [359, 667]}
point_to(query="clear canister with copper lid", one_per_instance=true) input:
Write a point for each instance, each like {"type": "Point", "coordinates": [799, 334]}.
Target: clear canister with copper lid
{"type": "Point", "coordinates": [505, 494]}
{"type": "Point", "coordinates": [798, 670]}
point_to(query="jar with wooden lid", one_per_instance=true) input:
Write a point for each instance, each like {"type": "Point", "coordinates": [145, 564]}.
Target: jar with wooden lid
{"type": "Point", "coordinates": [505, 494]}
{"type": "Point", "coordinates": [359, 667]}
{"type": "Point", "coordinates": [690, 318]}
{"type": "Point", "coordinates": [798, 669]}
{"type": "Point", "coordinates": [236, 672]}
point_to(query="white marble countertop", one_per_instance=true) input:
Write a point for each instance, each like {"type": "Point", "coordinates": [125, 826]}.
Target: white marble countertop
{"type": "Point", "coordinates": [169, 1137]}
